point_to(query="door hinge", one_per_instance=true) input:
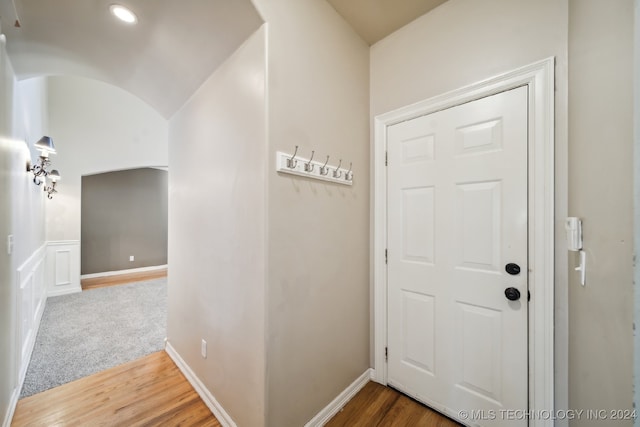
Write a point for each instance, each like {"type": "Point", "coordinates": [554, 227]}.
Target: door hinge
{"type": "Point", "coordinates": [386, 256]}
{"type": "Point", "coordinates": [386, 354]}
{"type": "Point", "coordinates": [386, 158]}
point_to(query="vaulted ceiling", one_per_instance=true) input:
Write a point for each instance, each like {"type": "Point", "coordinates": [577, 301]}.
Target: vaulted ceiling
{"type": "Point", "coordinates": [173, 48]}
{"type": "Point", "coordinates": [163, 59]}
{"type": "Point", "coordinates": [376, 19]}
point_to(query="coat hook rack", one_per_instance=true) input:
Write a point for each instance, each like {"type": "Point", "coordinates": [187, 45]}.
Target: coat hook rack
{"type": "Point", "coordinates": [294, 165]}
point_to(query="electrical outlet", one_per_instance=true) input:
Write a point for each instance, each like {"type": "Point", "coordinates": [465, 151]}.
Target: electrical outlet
{"type": "Point", "coordinates": [132, 258]}
{"type": "Point", "coordinates": [9, 244]}
{"type": "Point", "coordinates": [203, 349]}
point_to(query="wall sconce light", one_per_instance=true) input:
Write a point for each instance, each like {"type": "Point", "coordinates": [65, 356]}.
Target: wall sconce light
{"type": "Point", "coordinates": [40, 172]}
{"type": "Point", "coordinates": [54, 177]}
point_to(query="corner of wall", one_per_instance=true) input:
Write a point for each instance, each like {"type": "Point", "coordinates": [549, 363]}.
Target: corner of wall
{"type": "Point", "coordinates": [209, 399]}
{"type": "Point", "coordinates": [318, 99]}
{"type": "Point", "coordinates": [217, 234]}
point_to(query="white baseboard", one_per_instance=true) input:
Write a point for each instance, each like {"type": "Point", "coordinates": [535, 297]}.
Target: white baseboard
{"type": "Point", "coordinates": [131, 270]}
{"type": "Point", "coordinates": [342, 399]}
{"type": "Point", "coordinates": [211, 402]}
{"type": "Point", "coordinates": [13, 402]}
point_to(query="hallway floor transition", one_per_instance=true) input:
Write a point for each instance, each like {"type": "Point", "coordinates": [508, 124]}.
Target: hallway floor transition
{"type": "Point", "coordinates": [150, 391]}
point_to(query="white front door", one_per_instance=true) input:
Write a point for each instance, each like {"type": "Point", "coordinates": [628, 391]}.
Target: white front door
{"type": "Point", "coordinates": [457, 258]}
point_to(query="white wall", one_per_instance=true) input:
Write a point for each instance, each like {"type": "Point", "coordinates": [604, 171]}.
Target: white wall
{"type": "Point", "coordinates": [600, 192]}
{"type": "Point", "coordinates": [7, 290]}
{"type": "Point", "coordinates": [30, 124]}
{"type": "Point", "coordinates": [318, 246]}
{"type": "Point", "coordinates": [22, 115]}
{"type": "Point", "coordinates": [96, 127]}
{"type": "Point", "coordinates": [29, 207]}
{"type": "Point", "coordinates": [217, 218]}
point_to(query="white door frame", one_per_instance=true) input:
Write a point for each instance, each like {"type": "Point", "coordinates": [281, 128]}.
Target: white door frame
{"type": "Point", "coordinates": [539, 77]}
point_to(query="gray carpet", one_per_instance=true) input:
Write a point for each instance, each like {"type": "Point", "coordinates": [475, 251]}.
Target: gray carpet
{"type": "Point", "coordinates": [94, 330]}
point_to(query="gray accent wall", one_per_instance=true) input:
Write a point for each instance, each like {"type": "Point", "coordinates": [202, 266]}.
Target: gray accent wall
{"type": "Point", "coordinates": [124, 213]}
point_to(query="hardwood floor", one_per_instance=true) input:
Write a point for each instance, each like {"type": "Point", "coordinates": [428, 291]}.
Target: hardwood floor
{"type": "Point", "coordinates": [121, 279]}
{"type": "Point", "coordinates": [379, 406]}
{"type": "Point", "coordinates": [146, 392]}
{"type": "Point", "coordinates": [153, 392]}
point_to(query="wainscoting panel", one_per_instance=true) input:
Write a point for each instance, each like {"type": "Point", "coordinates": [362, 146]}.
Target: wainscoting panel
{"type": "Point", "coordinates": [63, 267]}
{"type": "Point", "coordinates": [32, 298]}
{"type": "Point", "coordinates": [54, 269]}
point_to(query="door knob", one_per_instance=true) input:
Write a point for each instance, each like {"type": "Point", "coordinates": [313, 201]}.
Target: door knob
{"type": "Point", "coordinates": [512, 269]}
{"type": "Point", "coordinates": [512, 294]}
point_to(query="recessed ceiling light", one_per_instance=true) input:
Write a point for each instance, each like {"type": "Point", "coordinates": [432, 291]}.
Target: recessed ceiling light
{"type": "Point", "coordinates": [123, 14]}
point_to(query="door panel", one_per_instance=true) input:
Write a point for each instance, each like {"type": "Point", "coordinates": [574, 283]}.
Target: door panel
{"type": "Point", "coordinates": [480, 349]}
{"type": "Point", "coordinates": [479, 138]}
{"type": "Point", "coordinates": [457, 214]}
{"type": "Point", "coordinates": [419, 326]}
{"type": "Point", "coordinates": [477, 217]}
{"type": "Point", "coordinates": [418, 224]}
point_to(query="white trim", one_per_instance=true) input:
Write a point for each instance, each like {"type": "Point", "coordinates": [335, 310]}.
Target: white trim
{"type": "Point", "coordinates": [101, 171]}
{"type": "Point", "coordinates": [539, 77]}
{"type": "Point", "coordinates": [38, 255]}
{"type": "Point", "coordinates": [118, 272]}
{"type": "Point", "coordinates": [13, 402]}
{"type": "Point", "coordinates": [70, 284]}
{"type": "Point", "coordinates": [63, 242]}
{"type": "Point", "coordinates": [33, 266]}
{"type": "Point", "coordinates": [341, 400]}
{"type": "Point", "coordinates": [32, 344]}
{"type": "Point", "coordinates": [28, 274]}
{"type": "Point", "coordinates": [223, 417]}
